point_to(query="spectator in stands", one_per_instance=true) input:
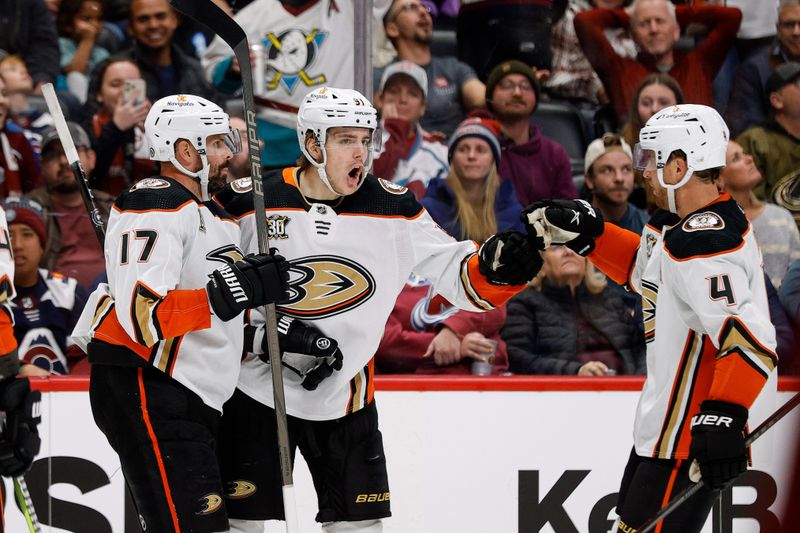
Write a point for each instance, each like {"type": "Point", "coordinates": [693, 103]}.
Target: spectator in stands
{"type": "Point", "coordinates": [572, 76]}
{"type": "Point", "coordinates": [18, 167]}
{"type": "Point", "coordinates": [307, 44]}
{"type": "Point", "coordinates": [472, 202]}
{"type": "Point", "coordinates": [453, 87]}
{"type": "Point", "coordinates": [71, 248]}
{"type": "Point", "coordinates": [166, 69]}
{"type": "Point", "coordinates": [774, 227]}
{"type": "Point", "coordinates": [749, 103]}
{"type": "Point", "coordinates": [537, 166]}
{"type": "Point", "coordinates": [425, 335]}
{"type": "Point", "coordinates": [569, 322]}
{"type": "Point", "coordinates": [609, 179]}
{"type": "Point", "coordinates": [47, 305]}
{"type": "Point", "coordinates": [774, 144]}
{"type": "Point", "coordinates": [656, 26]}
{"type": "Point", "coordinates": [409, 156]}
{"type": "Point", "coordinates": [28, 28]}
{"type": "Point", "coordinates": [116, 127]}
{"type": "Point", "coordinates": [79, 23]}
{"type": "Point", "coordinates": [790, 293]}
{"type": "Point", "coordinates": [656, 92]}
{"type": "Point", "coordinates": [19, 88]}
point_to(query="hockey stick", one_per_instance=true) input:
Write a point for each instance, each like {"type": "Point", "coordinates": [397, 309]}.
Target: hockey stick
{"type": "Point", "coordinates": [74, 162]}
{"type": "Point", "coordinates": [208, 14]}
{"type": "Point", "coordinates": [688, 492]}
{"type": "Point", "coordinates": [26, 504]}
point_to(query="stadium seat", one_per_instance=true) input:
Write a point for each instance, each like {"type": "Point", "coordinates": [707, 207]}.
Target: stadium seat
{"type": "Point", "coordinates": [562, 122]}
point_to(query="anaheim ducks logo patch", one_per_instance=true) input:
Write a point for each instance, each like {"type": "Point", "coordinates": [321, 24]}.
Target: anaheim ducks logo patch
{"type": "Point", "coordinates": [242, 185]}
{"type": "Point", "coordinates": [323, 286]}
{"type": "Point", "coordinates": [240, 488]}
{"type": "Point", "coordinates": [392, 188]}
{"type": "Point", "coordinates": [701, 221]}
{"type": "Point", "coordinates": [150, 183]}
{"type": "Point", "coordinates": [209, 504]}
{"type": "Point", "coordinates": [227, 254]}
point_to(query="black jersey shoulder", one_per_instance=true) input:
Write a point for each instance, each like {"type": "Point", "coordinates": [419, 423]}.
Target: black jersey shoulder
{"type": "Point", "coordinates": [382, 198]}
{"type": "Point", "coordinates": [157, 193]}
{"type": "Point", "coordinates": [715, 229]}
{"type": "Point", "coordinates": [661, 218]}
{"type": "Point", "coordinates": [237, 197]}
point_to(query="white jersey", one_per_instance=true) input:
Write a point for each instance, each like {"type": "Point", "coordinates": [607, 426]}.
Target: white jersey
{"type": "Point", "coordinates": [7, 340]}
{"type": "Point", "coordinates": [306, 47]}
{"type": "Point", "coordinates": [706, 319]}
{"type": "Point", "coordinates": [161, 245]}
{"type": "Point", "coordinates": [349, 263]}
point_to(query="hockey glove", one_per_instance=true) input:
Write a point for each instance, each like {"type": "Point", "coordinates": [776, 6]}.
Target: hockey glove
{"type": "Point", "coordinates": [20, 441]}
{"type": "Point", "coordinates": [718, 442]}
{"type": "Point", "coordinates": [509, 258]}
{"type": "Point", "coordinates": [572, 222]}
{"type": "Point", "coordinates": [306, 351]}
{"type": "Point", "coordinates": [252, 282]}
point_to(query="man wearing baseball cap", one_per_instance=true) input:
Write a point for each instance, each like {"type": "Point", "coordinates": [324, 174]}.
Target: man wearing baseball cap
{"type": "Point", "coordinates": [609, 179]}
{"type": "Point", "coordinates": [775, 144]}
{"type": "Point", "coordinates": [71, 248]}
{"type": "Point", "coordinates": [410, 156]}
{"type": "Point", "coordinates": [538, 166]}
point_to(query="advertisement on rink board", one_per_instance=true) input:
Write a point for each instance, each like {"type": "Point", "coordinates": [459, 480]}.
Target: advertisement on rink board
{"type": "Point", "coordinates": [466, 461]}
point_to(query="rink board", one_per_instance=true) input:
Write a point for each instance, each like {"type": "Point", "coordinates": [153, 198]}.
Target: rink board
{"type": "Point", "coordinates": [464, 455]}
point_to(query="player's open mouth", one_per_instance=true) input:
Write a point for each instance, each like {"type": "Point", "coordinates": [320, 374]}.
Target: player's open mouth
{"type": "Point", "coordinates": [354, 175]}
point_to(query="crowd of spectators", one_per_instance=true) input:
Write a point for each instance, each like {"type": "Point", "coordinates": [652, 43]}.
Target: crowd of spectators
{"type": "Point", "coordinates": [458, 86]}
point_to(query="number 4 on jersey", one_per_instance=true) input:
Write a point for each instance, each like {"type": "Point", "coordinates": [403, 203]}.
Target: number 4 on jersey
{"type": "Point", "coordinates": [720, 288]}
{"type": "Point", "coordinates": [149, 237]}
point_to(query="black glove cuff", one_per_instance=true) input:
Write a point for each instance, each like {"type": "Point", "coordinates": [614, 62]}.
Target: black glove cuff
{"type": "Point", "coordinates": [733, 410]}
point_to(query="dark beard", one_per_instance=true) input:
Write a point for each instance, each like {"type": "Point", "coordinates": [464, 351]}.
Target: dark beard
{"type": "Point", "coordinates": [65, 187]}
{"type": "Point", "coordinates": [216, 184]}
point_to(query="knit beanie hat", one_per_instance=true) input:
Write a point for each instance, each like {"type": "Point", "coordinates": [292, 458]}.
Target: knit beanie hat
{"type": "Point", "coordinates": [485, 129]}
{"type": "Point", "coordinates": [512, 66]}
{"type": "Point", "coordinates": [20, 210]}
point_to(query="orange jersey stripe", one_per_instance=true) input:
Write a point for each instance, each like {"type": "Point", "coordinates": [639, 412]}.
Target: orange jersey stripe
{"type": "Point", "coordinates": [162, 471]}
{"type": "Point", "coordinates": [112, 332]}
{"type": "Point", "coordinates": [7, 340]}
{"type": "Point", "coordinates": [496, 295]}
{"type": "Point", "coordinates": [370, 381]}
{"type": "Point", "coordinates": [615, 252]}
{"type": "Point", "coordinates": [735, 380]}
{"type": "Point", "coordinates": [182, 311]}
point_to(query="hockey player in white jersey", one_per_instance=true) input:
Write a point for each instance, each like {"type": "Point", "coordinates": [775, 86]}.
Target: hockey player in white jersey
{"type": "Point", "coordinates": [710, 343]}
{"type": "Point", "coordinates": [352, 239]}
{"type": "Point", "coordinates": [167, 341]}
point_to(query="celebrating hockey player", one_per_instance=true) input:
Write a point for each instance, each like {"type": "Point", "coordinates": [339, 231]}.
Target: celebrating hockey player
{"type": "Point", "coordinates": [711, 346]}
{"type": "Point", "coordinates": [353, 239]}
{"type": "Point", "coordinates": [167, 341]}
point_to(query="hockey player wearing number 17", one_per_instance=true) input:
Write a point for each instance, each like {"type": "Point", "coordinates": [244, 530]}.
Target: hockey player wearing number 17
{"type": "Point", "coordinates": [352, 239]}
{"type": "Point", "coordinates": [710, 343]}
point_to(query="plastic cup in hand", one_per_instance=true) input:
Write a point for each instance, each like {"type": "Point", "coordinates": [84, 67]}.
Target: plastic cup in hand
{"type": "Point", "coordinates": [484, 368]}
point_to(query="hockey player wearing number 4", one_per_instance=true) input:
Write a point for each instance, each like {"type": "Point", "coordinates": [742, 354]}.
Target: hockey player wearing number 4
{"type": "Point", "coordinates": [166, 342]}
{"type": "Point", "coordinates": [710, 343]}
{"type": "Point", "coordinates": [352, 239]}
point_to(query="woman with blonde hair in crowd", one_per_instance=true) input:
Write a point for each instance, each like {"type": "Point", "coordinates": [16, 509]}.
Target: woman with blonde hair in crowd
{"type": "Point", "coordinates": [472, 202]}
{"type": "Point", "coordinates": [569, 321]}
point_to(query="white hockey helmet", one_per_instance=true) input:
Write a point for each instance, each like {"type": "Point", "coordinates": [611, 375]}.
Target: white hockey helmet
{"type": "Point", "coordinates": [189, 117]}
{"type": "Point", "coordinates": [697, 130]}
{"type": "Point", "coordinates": [329, 107]}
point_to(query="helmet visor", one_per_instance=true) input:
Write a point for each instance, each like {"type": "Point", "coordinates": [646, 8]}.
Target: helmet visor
{"type": "Point", "coordinates": [644, 158]}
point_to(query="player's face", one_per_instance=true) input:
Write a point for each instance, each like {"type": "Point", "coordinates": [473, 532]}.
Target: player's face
{"type": "Point", "coordinates": [16, 76]}
{"type": "Point", "coordinates": [562, 266]}
{"type": "Point", "coordinates": [407, 97]}
{"type": "Point", "coordinates": [514, 96]}
{"type": "Point", "coordinates": [152, 23]}
{"type": "Point", "coordinates": [653, 99]}
{"type": "Point", "coordinates": [788, 26]}
{"type": "Point", "coordinates": [110, 94]}
{"type": "Point", "coordinates": [740, 172]}
{"type": "Point", "coordinates": [673, 172]}
{"type": "Point", "coordinates": [26, 247]}
{"type": "Point", "coordinates": [56, 171]}
{"type": "Point", "coordinates": [239, 165]}
{"type": "Point", "coordinates": [347, 151]}
{"type": "Point", "coordinates": [653, 28]}
{"type": "Point", "coordinates": [611, 178]}
{"type": "Point", "coordinates": [472, 160]}
{"type": "Point", "coordinates": [219, 155]}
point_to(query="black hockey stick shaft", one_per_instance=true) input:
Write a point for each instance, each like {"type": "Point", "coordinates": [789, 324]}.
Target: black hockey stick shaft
{"type": "Point", "coordinates": [210, 15]}
{"type": "Point", "coordinates": [688, 492]}
{"type": "Point", "coordinates": [74, 161]}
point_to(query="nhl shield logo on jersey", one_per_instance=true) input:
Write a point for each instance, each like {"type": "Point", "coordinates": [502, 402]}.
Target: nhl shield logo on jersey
{"type": "Point", "coordinates": [276, 226]}
{"type": "Point", "coordinates": [701, 221]}
{"type": "Point", "coordinates": [392, 188]}
{"type": "Point", "coordinates": [323, 286]}
{"type": "Point", "coordinates": [150, 183]}
{"type": "Point", "coordinates": [242, 185]}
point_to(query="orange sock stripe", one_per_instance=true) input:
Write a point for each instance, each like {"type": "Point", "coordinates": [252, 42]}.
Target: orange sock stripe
{"type": "Point", "coordinates": [162, 471]}
{"type": "Point", "coordinates": [668, 492]}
